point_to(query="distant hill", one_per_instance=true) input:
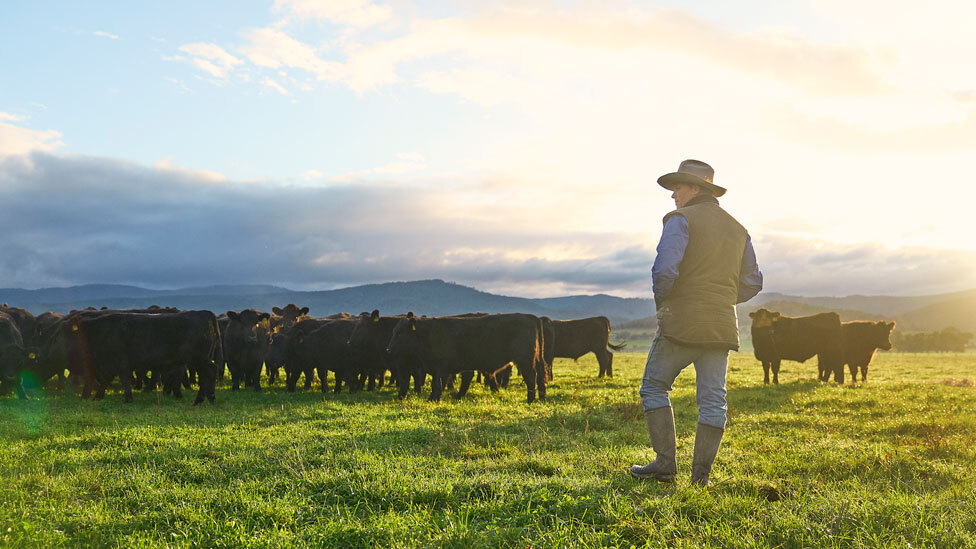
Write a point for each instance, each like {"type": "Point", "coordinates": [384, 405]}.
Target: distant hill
{"type": "Point", "coordinates": [436, 297]}
{"type": "Point", "coordinates": [957, 313]}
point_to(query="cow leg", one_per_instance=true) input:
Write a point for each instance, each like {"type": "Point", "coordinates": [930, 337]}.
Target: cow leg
{"type": "Point", "coordinates": [864, 373]}
{"type": "Point", "coordinates": [775, 367]}
{"type": "Point", "coordinates": [324, 378]}
{"type": "Point", "coordinates": [437, 384]}
{"type": "Point", "coordinates": [381, 378]}
{"type": "Point", "coordinates": [309, 376]}
{"type": "Point", "coordinates": [529, 378]}
{"type": "Point", "coordinates": [419, 374]}
{"type": "Point", "coordinates": [601, 359]}
{"type": "Point", "coordinates": [235, 378]}
{"type": "Point", "coordinates": [540, 379]}
{"type": "Point", "coordinates": [492, 382]}
{"type": "Point", "coordinates": [100, 392]}
{"type": "Point", "coordinates": [291, 380]}
{"type": "Point", "coordinates": [127, 388]}
{"type": "Point", "coordinates": [839, 373]}
{"type": "Point", "coordinates": [766, 366]}
{"type": "Point", "coordinates": [466, 378]}
{"type": "Point", "coordinates": [853, 369]}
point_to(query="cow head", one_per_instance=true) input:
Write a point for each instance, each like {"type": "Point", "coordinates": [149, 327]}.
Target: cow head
{"type": "Point", "coordinates": [405, 339]}
{"type": "Point", "coordinates": [881, 334]}
{"type": "Point", "coordinates": [250, 325]}
{"type": "Point", "coordinates": [764, 318]}
{"type": "Point", "coordinates": [290, 313]}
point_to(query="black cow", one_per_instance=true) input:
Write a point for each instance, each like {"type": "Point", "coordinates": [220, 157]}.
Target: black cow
{"type": "Point", "coordinates": [448, 345]}
{"type": "Point", "coordinates": [322, 347]}
{"type": "Point", "coordinates": [776, 338]}
{"type": "Point", "coordinates": [861, 340]}
{"type": "Point", "coordinates": [15, 358]}
{"type": "Point", "coordinates": [245, 346]}
{"type": "Point", "coordinates": [370, 339]}
{"type": "Point", "coordinates": [286, 317]}
{"type": "Point", "coordinates": [116, 344]}
{"type": "Point", "coordinates": [575, 338]}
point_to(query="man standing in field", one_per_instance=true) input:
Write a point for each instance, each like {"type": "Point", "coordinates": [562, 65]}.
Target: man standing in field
{"type": "Point", "coordinates": [705, 265]}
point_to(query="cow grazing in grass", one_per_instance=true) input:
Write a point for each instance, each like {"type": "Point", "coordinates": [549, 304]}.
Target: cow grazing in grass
{"type": "Point", "coordinates": [450, 345]}
{"type": "Point", "coordinates": [114, 345]}
{"type": "Point", "coordinates": [776, 338]}
{"type": "Point", "coordinates": [861, 340]}
{"type": "Point", "coordinates": [575, 338]}
{"type": "Point", "coordinates": [245, 346]}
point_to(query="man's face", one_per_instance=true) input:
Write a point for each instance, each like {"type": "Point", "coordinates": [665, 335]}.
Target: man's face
{"type": "Point", "coordinates": [683, 193]}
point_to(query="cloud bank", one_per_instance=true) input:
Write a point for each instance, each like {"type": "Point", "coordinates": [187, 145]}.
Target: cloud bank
{"type": "Point", "coordinates": [74, 220]}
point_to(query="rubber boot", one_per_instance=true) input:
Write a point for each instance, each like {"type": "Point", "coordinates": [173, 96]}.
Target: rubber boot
{"type": "Point", "coordinates": [707, 440]}
{"type": "Point", "coordinates": [660, 427]}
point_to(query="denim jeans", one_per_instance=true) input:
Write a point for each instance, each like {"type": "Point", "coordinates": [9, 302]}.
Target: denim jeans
{"type": "Point", "coordinates": [665, 361]}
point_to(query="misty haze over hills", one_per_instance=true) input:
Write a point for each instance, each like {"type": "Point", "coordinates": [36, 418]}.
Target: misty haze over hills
{"type": "Point", "coordinates": [436, 297]}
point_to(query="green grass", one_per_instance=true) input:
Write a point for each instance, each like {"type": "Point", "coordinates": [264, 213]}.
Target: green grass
{"type": "Point", "coordinates": [889, 463]}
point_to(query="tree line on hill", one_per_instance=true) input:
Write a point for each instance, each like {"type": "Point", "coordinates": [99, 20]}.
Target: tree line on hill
{"type": "Point", "coordinates": [949, 340]}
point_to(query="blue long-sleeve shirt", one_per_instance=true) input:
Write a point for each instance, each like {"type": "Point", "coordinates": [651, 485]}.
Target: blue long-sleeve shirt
{"type": "Point", "coordinates": [671, 250]}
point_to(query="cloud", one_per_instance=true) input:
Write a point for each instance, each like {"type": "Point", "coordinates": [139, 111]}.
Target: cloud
{"type": "Point", "coordinates": [357, 13]}
{"type": "Point", "coordinates": [405, 163]}
{"type": "Point", "coordinates": [118, 222]}
{"type": "Point", "coordinates": [104, 34]}
{"type": "Point", "coordinates": [16, 140]}
{"type": "Point", "coordinates": [275, 86]}
{"type": "Point", "coordinates": [272, 48]}
{"type": "Point", "coordinates": [211, 58]}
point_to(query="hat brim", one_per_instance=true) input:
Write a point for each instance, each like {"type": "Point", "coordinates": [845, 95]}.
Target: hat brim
{"type": "Point", "coordinates": [671, 180]}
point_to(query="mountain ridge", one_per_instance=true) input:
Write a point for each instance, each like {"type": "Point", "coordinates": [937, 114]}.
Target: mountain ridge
{"type": "Point", "coordinates": [437, 297]}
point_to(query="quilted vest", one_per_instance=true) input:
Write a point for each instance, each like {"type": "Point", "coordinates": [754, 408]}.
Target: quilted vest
{"type": "Point", "coordinates": [700, 309]}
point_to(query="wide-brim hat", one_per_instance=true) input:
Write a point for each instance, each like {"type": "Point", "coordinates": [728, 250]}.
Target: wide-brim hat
{"type": "Point", "coordinates": [691, 172]}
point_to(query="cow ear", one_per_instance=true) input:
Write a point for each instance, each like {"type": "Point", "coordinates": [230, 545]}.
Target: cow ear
{"type": "Point", "coordinates": [776, 315]}
{"type": "Point", "coordinates": [891, 325]}
{"type": "Point", "coordinates": [277, 310]}
{"type": "Point", "coordinates": [264, 316]}
{"type": "Point", "coordinates": [375, 314]}
{"type": "Point", "coordinates": [232, 315]}
{"type": "Point", "coordinates": [303, 311]}
{"type": "Point", "coordinates": [752, 315]}
{"type": "Point", "coordinates": [409, 314]}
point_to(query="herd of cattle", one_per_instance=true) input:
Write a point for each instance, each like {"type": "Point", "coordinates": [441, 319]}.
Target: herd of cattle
{"type": "Point", "coordinates": [776, 337]}
{"type": "Point", "coordinates": [146, 348]}
{"type": "Point", "coordinates": [174, 349]}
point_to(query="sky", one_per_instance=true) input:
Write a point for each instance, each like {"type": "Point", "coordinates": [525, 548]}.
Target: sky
{"type": "Point", "coordinates": [509, 146]}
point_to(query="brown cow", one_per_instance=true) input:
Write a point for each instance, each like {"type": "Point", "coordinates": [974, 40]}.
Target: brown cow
{"type": "Point", "coordinates": [776, 337]}
{"type": "Point", "coordinates": [861, 340]}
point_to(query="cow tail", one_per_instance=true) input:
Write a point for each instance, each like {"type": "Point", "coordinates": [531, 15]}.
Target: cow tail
{"type": "Point", "coordinates": [619, 346]}
{"type": "Point", "coordinates": [218, 350]}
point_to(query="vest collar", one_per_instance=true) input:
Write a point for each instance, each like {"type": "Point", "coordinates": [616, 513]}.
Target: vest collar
{"type": "Point", "coordinates": [702, 199]}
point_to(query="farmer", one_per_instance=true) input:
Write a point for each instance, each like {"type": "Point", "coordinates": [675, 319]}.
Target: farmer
{"type": "Point", "coordinates": [705, 265]}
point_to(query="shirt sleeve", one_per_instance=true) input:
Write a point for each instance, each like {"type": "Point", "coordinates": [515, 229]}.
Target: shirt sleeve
{"type": "Point", "coordinates": [750, 278]}
{"type": "Point", "coordinates": [670, 252]}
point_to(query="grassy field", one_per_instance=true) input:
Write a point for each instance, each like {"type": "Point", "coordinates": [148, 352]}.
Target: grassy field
{"type": "Point", "coordinates": [890, 463]}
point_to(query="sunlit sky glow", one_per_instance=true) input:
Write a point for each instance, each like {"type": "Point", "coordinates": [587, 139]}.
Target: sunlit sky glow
{"type": "Point", "coordinates": [512, 146]}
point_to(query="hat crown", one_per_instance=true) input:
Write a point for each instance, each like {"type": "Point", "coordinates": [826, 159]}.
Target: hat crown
{"type": "Point", "coordinates": [698, 169]}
